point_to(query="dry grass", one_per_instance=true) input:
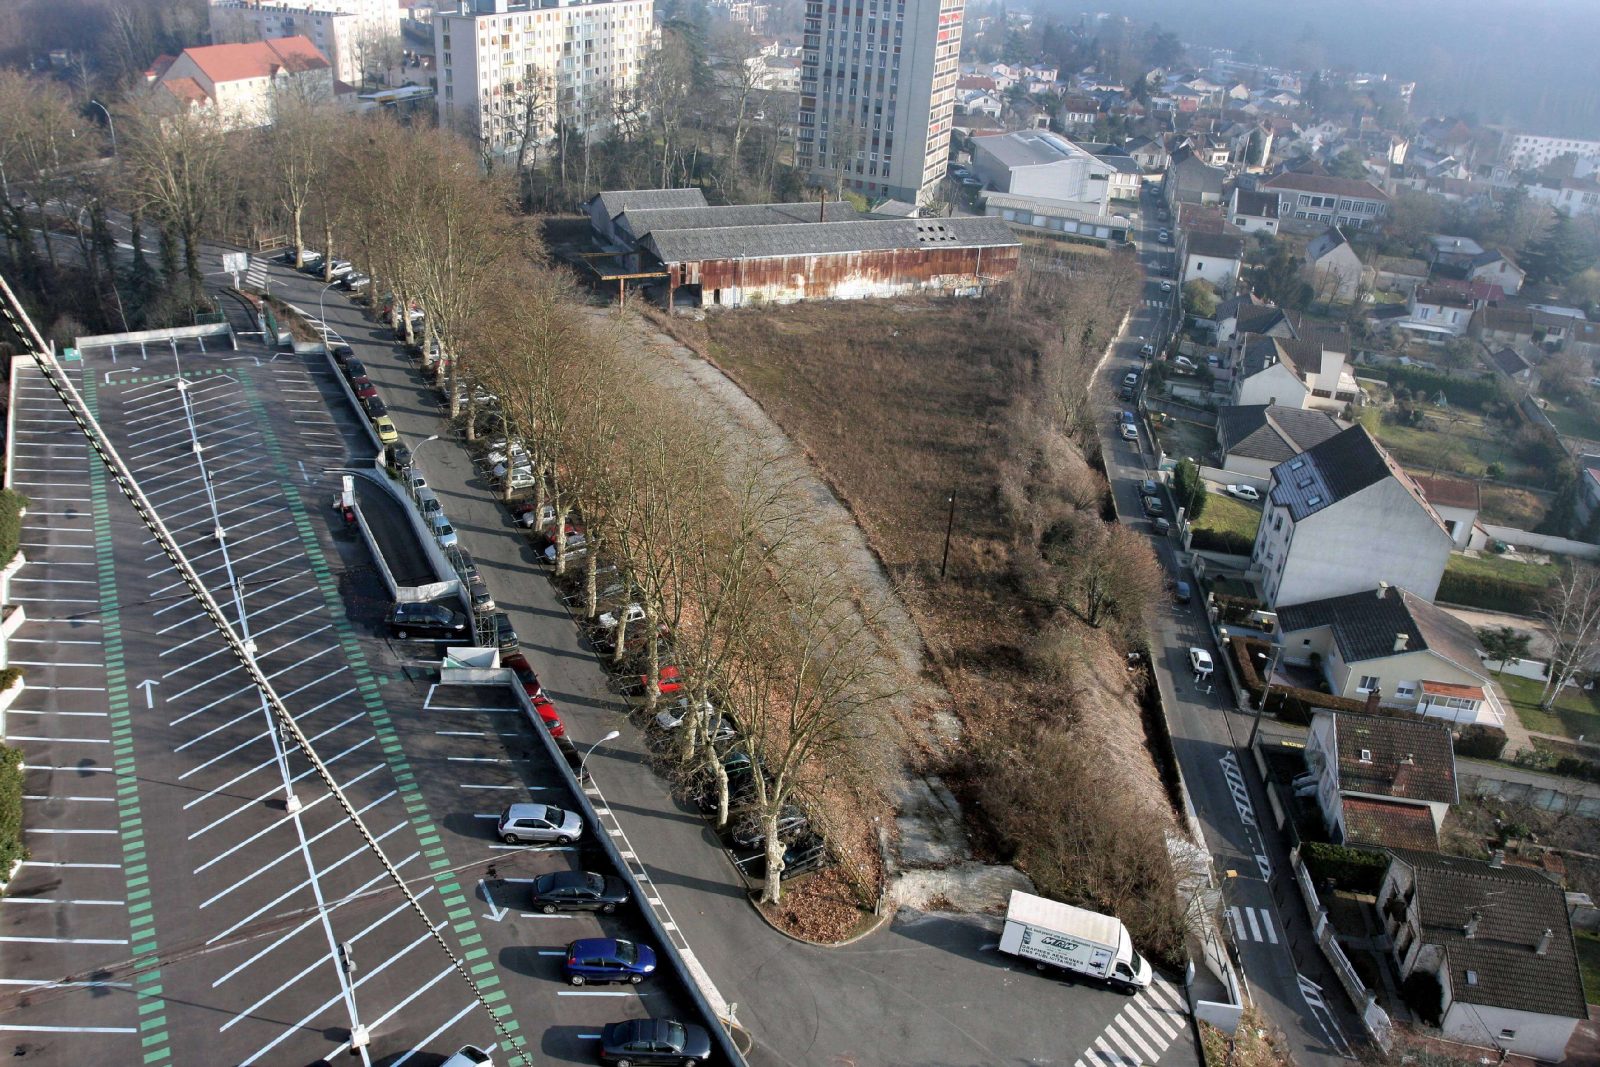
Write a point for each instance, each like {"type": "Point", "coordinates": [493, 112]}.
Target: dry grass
{"type": "Point", "coordinates": [901, 403]}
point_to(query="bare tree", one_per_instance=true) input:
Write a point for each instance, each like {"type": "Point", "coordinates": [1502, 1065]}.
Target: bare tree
{"type": "Point", "coordinates": [1571, 614]}
{"type": "Point", "coordinates": [302, 142]}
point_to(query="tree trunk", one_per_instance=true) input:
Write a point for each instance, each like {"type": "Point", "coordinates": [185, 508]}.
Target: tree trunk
{"type": "Point", "coordinates": [621, 649]}
{"type": "Point", "coordinates": [44, 230]}
{"type": "Point", "coordinates": [652, 645]}
{"type": "Point", "coordinates": [772, 888]}
{"type": "Point", "coordinates": [591, 582]}
{"type": "Point", "coordinates": [720, 774]}
{"type": "Point", "coordinates": [299, 237]}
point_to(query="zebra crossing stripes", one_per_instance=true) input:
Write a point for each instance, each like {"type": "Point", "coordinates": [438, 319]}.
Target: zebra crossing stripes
{"type": "Point", "coordinates": [256, 276]}
{"type": "Point", "coordinates": [1236, 786]}
{"type": "Point", "coordinates": [1311, 991]}
{"type": "Point", "coordinates": [1142, 1031]}
{"type": "Point", "coordinates": [1252, 924]}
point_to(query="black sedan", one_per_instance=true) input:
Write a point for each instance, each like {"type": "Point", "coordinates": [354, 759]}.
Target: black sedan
{"type": "Point", "coordinates": [578, 891]}
{"type": "Point", "coordinates": [640, 1041]}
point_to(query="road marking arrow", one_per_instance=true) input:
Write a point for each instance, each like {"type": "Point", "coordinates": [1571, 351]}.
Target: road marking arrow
{"type": "Point", "coordinates": [496, 912]}
{"type": "Point", "coordinates": [149, 686]}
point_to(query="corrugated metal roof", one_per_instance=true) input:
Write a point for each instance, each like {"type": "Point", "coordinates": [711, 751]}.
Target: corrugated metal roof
{"type": "Point", "coordinates": [1032, 148]}
{"type": "Point", "coordinates": [641, 221]}
{"type": "Point", "coordinates": [828, 238]}
{"type": "Point", "coordinates": [616, 201]}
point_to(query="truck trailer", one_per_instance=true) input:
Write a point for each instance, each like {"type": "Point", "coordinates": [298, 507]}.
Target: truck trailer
{"type": "Point", "coordinates": [1076, 940]}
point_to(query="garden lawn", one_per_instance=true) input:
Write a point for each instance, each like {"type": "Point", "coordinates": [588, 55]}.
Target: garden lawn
{"type": "Point", "coordinates": [1589, 961]}
{"type": "Point", "coordinates": [1572, 421]}
{"type": "Point", "coordinates": [1504, 567]}
{"type": "Point", "coordinates": [1225, 514]}
{"type": "Point", "coordinates": [1454, 440]}
{"type": "Point", "coordinates": [1575, 712]}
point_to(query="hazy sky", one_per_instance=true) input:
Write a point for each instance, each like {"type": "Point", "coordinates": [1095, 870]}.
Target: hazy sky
{"type": "Point", "coordinates": [1534, 63]}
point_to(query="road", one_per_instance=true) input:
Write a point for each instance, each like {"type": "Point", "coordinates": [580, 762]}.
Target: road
{"type": "Point", "coordinates": [1286, 973]}
{"type": "Point", "coordinates": [927, 988]}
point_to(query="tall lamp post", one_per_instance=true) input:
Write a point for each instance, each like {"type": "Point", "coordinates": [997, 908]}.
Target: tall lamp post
{"type": "Point", "coordinates": [322, 310]}
{"type": "Point", "coordinates": [583, 763]}
{"type": "Point", "coordinates": [1272, 665]}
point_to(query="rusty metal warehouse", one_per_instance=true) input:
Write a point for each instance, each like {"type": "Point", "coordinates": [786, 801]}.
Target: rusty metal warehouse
{"type": "Point", "coordinates": [781, 253]}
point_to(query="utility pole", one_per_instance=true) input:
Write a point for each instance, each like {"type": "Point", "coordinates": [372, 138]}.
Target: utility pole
{"type": "Point", "coordinates": [949, 526]}
{"type": "Point", "coordinates": [1266, 687]}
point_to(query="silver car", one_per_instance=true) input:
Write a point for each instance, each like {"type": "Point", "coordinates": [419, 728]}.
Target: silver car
{"type": "Point", "coordinates": [539, 822]}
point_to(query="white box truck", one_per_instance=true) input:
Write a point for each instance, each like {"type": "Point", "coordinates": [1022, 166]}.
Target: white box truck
{"type": "Point", "coordinates": [1052, 934]}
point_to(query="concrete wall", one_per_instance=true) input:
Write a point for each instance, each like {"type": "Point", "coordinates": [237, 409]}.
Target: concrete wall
{"type": "Point", "coordinates": [1560, 546]}
{"type": "Point", "coordinates": [1540, 1037]}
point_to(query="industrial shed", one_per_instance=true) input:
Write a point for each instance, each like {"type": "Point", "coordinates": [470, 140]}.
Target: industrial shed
{"type": "Point", "coordinates": [729, 266]}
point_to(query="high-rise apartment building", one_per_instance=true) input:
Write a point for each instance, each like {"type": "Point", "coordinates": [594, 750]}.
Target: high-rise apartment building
{"type": "Point", "coordinates": [878, 93]}
{"type": "Point", "coordinates": [356, 35]}
{"type": "Point", "coordinates": [509, 71]}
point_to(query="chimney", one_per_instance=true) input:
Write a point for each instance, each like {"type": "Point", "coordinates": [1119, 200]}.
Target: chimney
{"type": "Point", "coordinates": [1383, 589]}
{"type": "Point", "coordinates": [1543, 946]}
{"type": "Point", "coordinates": [1498, 860]}
{"type": "Point", "coordinates": [1372, 700]}
{"type": "Point", "coordinates": [1470, 930]}
{"type": "Point", "coordinates": [1400, 641]}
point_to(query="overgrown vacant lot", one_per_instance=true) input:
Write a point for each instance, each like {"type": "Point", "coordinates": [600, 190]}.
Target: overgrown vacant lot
{"type": "Point", "coordinates": [902, 403]}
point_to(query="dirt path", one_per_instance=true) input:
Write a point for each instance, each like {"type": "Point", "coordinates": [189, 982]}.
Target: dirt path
{"type": "Point", "coordinates": [931, 838]}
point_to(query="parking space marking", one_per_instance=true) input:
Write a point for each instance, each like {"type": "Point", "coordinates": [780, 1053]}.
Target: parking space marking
{"type": "Point", "coordinates": [19, 1028]}
{"type": "Point", "coordinates": [61, 900]}
{"type": "Point", "coordinates": [251, 804]}
{"type": "Point", "coordinates": [9, 939]}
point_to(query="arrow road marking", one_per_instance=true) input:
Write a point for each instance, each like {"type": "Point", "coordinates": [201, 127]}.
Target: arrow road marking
{"type": "Point", "coordinates": [149, 687]}
{"type": "Point", "coordinates": [496, 912]}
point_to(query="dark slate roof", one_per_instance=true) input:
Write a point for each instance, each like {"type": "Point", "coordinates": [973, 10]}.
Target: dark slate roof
{"type": "Point", "coordinates": [1215, 244]}
{"type": "Point", "coordinates": [1273, 433]}
{"type": "Point", "coordinates": [1388, 824]}
{"type": "Point", "coordinates": [1509, 361]}
{"type": "Point", "coordinates": [1339, 467]}
{"type": "Point", "coordinates": [1257, 204]}
{"type": "Point", "coordinates": [1265, 319]}
{"type": "Point", "coordinates": [640, 221]}
{"type": "Point", "coordinates": [1325, 185]}
{"type": "Point", "coordinates": [1499, 964]}
{"type": "Point", "coordinates": [1388, 757]}
{"type": "Point", "coordinates": [1366, 624]}
{"type": "Point", "coordinates": [829, 238]}
{"type": "Point", "coordinates": [616, 201]}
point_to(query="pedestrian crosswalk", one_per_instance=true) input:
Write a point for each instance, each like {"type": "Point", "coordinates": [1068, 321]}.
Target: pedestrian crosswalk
{"type": "Point", "coordinates": [1252, 924]}
{"type": "Point", "coordinates": [1312, 992]}
{"type": "Point", "coordinates": [256, 276]}
{"type": "Point", "coordinates": [1236, 786]}
{"type": "Point", "coordinates": [1145, 1027]}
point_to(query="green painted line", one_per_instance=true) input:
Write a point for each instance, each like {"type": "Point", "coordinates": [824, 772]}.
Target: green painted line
{"type": "Point", "coordinates": [141, 927]}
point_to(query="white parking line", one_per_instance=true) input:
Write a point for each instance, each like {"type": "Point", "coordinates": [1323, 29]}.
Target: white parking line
{"type": "Point", "coordinates": [247, 879]}
{"type": "Point", "coordinates": [63, 740]}
{"type": "Point", "coordinates": [18, 1028]}
{"type": "Point", "coordinates": [70, 714]}
{"type": "Point", "coordinates": [262, 736]}
{"type": "Point", "coordinates": [428, 1041]}
{"type": "Point", "coordinates": [251, 804]}
{"type": "Point", "coordinates": [60, 830]}
{"type": "Point", "coordinates": [87, 769]}
{"type": "Point", "coordinates": [63, 940]}
{"type": "Point", "coordinates": [272, 763]}
{"type": "Point", "coordinates": [60, 900]}
{"type": "Point", "coordinates": [73, 866]}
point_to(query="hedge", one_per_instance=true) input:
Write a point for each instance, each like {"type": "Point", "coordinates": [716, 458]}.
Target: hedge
{"type": "Point", "coordinates": [11, 847]}
{"type": "Point", "coordinates": [1490, 594]}
{"type": "Point", "coordinates": [12, 504]}
{"type": "Point", "coordinates": [1356, 869]}
{"type": "Point", "coordinates": [1229, 541]}
{"type": "Point", "coordinates": [1290, 704]}
{"type": "Point", "coordinates": [1461, 392]}
{"type": "Point", "coordinates": [1480, 742]}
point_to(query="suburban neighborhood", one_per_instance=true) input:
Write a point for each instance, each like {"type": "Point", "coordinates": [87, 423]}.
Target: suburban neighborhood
{"type": "Point", "coordinates": [649, 531]}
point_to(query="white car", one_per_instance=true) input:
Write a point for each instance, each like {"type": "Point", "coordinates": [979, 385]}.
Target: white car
{"type": "Point", "coordinates": [1244, 492]}
{"type": "Point", "coordinates": [632, 613]}
{"type": "Point", "coordinates": [1200, 660]}
{"type": "Point", "coordinates": [1166, 287]}
{"type": "Point", "coordinates": [469, 1056]}
{"type": "Point", "coordinates": [1130, 432]}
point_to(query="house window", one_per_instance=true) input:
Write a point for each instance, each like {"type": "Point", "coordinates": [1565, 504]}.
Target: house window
{"type": "Point", "coordinates": [1405, 690]}
{"type": "Point", "coordinates": [1366, 755]}
{"type": "Point", "coordinates": [1368, 683]}
{"type": "Point", "coordinates": [1508, 1035]}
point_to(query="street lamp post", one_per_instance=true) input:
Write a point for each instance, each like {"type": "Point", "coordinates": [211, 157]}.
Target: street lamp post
{"type": "Point", "coordinates": [418, 449]}
{"type": "Point", "coordinates": [110, 124]}
{"type": "Point", "coordinates": [1266, 688]}
{"type": "Point", "coordinates": [322, 310]}
{"type": "Point", "coordinates": [583, 763]}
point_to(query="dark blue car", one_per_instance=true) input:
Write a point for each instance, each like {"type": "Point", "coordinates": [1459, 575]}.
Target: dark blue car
{"type": "Point", "coordinates": [606, 959]}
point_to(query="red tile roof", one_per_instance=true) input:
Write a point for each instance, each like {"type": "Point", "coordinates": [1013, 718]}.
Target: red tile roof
{"type": "Point", "coordinates": [1451, 689]}
{"type": "Point", "coordinates": [257, 59]}
{"type": "Point", "coordinates": [186, 89]}
{"type": "Point", "coordinates": [1391, 825]}
{"type": "Point", "coordinates": [1444, 492]}
{"type": "Point", "coordinates": [1326, 185]}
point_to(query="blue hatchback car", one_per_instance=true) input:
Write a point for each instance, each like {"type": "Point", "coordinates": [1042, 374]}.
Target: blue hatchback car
{"type": "Point", "coordinates": [606, 959]}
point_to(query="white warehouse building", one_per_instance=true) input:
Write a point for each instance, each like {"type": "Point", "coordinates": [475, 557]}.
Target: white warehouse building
{"type": "Point", "coordinates": [1042, 165]}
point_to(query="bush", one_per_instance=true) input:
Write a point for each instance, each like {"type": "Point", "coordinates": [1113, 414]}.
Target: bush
{"type": "Point", "coordinates": [1480, 742]}
{"type": "Point", "coordinates": [11, 505]}
{"type": "Point", "coordinates": [1356, 869]}
{"type": "Point", "coordinates": [1461, 392]}
{"type": "Point", "coordinates": [1489, 593]}
{"type": "Point", "coordinates": [11, 846]}
{"type": "Point", "coordinates": [1227, 541]}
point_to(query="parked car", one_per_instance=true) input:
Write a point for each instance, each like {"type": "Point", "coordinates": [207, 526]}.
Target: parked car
{"type": "Point", "coordinates": [1131, 378]}
{"type": "Point", "coordinates": [654, 1041]}
{"type": "Point", "coordinates": [1161, 526]}
{"type": "Point", "coordinates": [609, 959]}
{"type": "Point", "coordinates": [469, 1056]}
{"type": "Point", "coordinates": [1200, 662]}
{"type": "Point", "coordinates": [354, 368]}
{"type": "Point", "coordinates": [354, 282]}
{"type": "Point", "coordinates": [478, 593]}
{"type": "Point", "coordinates": [1244, 492]}
{"type": "Point", "coordinates": [632, 613]}
{"type": "Point", "coordinates": [549, 716]}
{"type": "Point", "coordinates": [399, 457]}
{"type": "Point", "coordinates": [1147, 351]}
{"type": "Point", "coordinates": [341, 268]}
{"type": "Point", "coordinates": [576, 546]}
{"type": "Point", "coordinates": [1128, 418]}
{"type": "Point", "coordinates": [1125, 393]}
{"type": "Point", "coordinates": [443, 532]}
{"type": "Point", "coordinates": [1166, 287]}
{"type": "Point", "coordinates": [1152, 505]}
{"type": "Point", "coordinates": [518, 665]}
{"type": "Point", "coordinates": [722, 730]}
{"type": "Point", "coordinates": [1213, 360]}
{"type": "Point", "coordinates": [1185, 363]}
{"type": "Point", "coordinates": [751, 831]}
{"type": "Point", "coordinates": [341, 353]}
{"type": "Point", "coordinates": [363, 387]}
{"type": "Point", "coordinates": [386, 430]}
{"type": "Point", "coordinates": [1150, 487]}
{"type": "Point", "coordinates": [539, 822]}
{"type": "Point", "coordinates": [1164, 237]}
{"type": "Point", "coordinates": [505, 635]}
{"type": "Point", "coordinates": [578, 891]}
{"type": "Point", "coordinates": [1181, 594]}
{"type": "Point", "coordinates": [426, 620]}
{"type": "Point", "coordinates": [375, 406]}
{"type": "Point", "coordinates": [428, 502]}
{"type": "Point", "coordinates": [1130, 433]}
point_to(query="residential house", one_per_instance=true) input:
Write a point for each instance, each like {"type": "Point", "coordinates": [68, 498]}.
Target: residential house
{"type": "Point", "coordinates": [1241, 315]}
{"type": "Point", "coordinates": [1588, 487]}
{"type": "Point", "coordinates": [1457, 500]}
{"type": "Point", "coordinates": [1314, 201]}
{"type": "Point", "coordinates": [1398, 274]}
{"type": "Point", "coordinates": [1040, 164]}
{"type": "Point", "coordinates": [1444, 244]}
{"type": "Point", "coordinates": [1149, 153]}
{"type": "Point", "coordinates": [1498, 940]}
{"type": "Point", "coordinates": [1381, 782]}
{"type": "Point", "coordinates": [1575, 196]}
{"type": "Point", "coordinates": [1334, 267]}
{"type": "Point", "coordinates": [1509, 361]}
{"type": "Point", "coordinates": [1212, 257]}
{"type": "Point", "coordinates": [1190, 181]}
{"type": "Point", "coordinates": [1310, 371]}
{"type": "Point", "coordinates": [1254, 438]}
{"type": "Point", "coordinates": [1342, 516]}
{"type": "Point", "coordinates": [1438, 313]}
{"type": "Point", "coordinates": [345, 31]}
{"type": "Point", "coordinates": [1253, 211]}
{"type": "Point", "coordinates": [977, 102]}
{"type": "Point", "coordinates": [1126, 180]}
{"type": "Point", "coordinates": [1393, 649]}
{"type": "Point", "coordinates": [238, 82]}
{"type": "Point", "coordinates": [1522, 327]}
{"type": "Point", "coordinates": [1041, 219]}
{"type": "Point", "coordinates": [1077, 111]}
{"type": "Point", "coordinates": [1492, 266]}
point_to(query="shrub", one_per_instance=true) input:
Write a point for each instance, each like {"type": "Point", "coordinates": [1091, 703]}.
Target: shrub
{"type": "Point", "coordinates": [11, 505]}
{"type": "Point", "coordinates": [1489, 593]}
{"type": "Point", "coordinates": [11, 846]}
{"type": "Point", "coordinates": [1461, 392]}
{"type": "Point", "coordinates": [1480, 742]}
{"type": "Point", "coordinates": [1228, 541]}
{"type": "Point", "coordinates": [1356, 869]}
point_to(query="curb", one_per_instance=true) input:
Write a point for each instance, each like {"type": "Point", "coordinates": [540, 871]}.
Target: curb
{"type": "Point", "coordinates": [755, 905]}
